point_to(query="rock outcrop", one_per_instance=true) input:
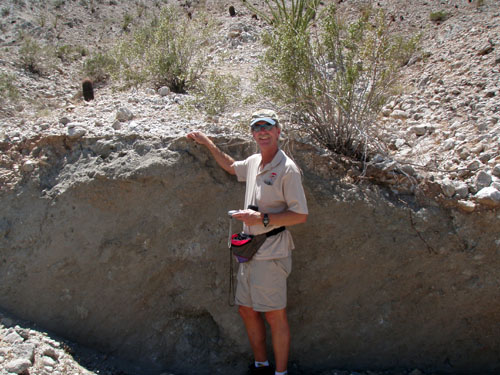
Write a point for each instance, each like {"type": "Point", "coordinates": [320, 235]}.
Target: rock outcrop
{"type": "Point", "coordinates": [119, 243]}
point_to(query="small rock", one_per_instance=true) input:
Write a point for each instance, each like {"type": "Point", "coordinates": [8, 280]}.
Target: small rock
{"type": "Point", "coordinates": [18, 366]}
{"type": "Point", "coordinates": [117, 125]}
{"type": "Point", "coordinates": [448, 144]}
{"type": "Point", "coordinates": [483, 179]}
{"type": "Point", "coordinates": [13, 338]}
{"type": "Point", "coordinates": [399, 114]}
{"type": "Point", "coordinates": [448, 188]}
{"type": "Point", "coordinates": [164, 91]}
{"type": "Point", "coordinates": [461, 190]}
{"type": "Point", "coordinates": [496, 170]}
{"type": "Point", "coordinates": [124, 114]}
{"type": "Point", "coordinates": [488, 196]}
{"type": "Point", "coordinates": [64, 120]}
{"type": "Point", "coordinates": [419, 130]}
{"type": "Point", "coordinates": [466, 206]}
{"type": "Point", "coordinates": [76, 131]}
{"type": "Point", "coordinates": [409, 170]}
{"type": "Point", "coordinates": [29, 166]}
{"type": "Point", "coordinates": [474, 166]}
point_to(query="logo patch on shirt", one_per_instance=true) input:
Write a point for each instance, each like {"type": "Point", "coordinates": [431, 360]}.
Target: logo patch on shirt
{"type": "Point", "coordinates": [269, 181]}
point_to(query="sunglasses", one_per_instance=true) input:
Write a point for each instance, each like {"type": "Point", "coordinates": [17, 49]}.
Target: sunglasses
{"type": "Point", "coordinates": [259, 127]}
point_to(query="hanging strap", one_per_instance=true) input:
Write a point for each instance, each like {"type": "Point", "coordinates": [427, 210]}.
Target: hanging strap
{"type": "Point", "coordinates": [232, 292]}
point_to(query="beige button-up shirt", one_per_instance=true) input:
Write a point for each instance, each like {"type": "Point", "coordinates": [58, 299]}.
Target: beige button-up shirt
{"type": "Point", "coordinates": [273, 189]}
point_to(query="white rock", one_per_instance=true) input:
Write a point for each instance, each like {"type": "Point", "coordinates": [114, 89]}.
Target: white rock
{"type": "Point", "coordinates": [18, 366]}
{"type": "Point", "coordinates": [13, 338]}
{"type": "Point", "coordinates": [29, 166]}
{"type": "Point", "coordinates": [164, 91]}
{"type": "Point", "coordinates": [448, 144]}
{"type": "Point", "coordinates": [399, 114]}
{"type": "Point", "coordinates": [466, 206]}
{"type": "Point", "coordinates": [75, 131]}
{"type": "Point", "coordinates": [419, 130]}
{"type": "Point", "coordinates": [448, 188]}
{"type": "Point", "coordinates": [124, 114]}
{"type": "Point", "coordinates": [488, 196]}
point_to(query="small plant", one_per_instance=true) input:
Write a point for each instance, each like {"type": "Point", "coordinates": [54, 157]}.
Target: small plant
{"type": "Point", "coordinates": [439, 16]}
{"type": "Point", "coordinates": [99, 67]}
{"type": "Point", "coordinates": [170, 51]}
{"type": "Point", "coordinates": [5, 12]}
{"type": "Point", "coordinates": [7, 88]}
{"type": "Point", "coordinates": [69, 53]}
{"type": "Point", "coordinates": [215, 93]}
{"type": "Point", "coordinates": [31, 55]}
{"type": "Point", "coordinates": [127, 20]}
{"type": "Point", "coordinates": [299, 14]}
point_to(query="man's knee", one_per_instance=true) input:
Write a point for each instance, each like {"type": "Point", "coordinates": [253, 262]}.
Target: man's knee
{"type": "Point", "coordinates": [276, 317]}
{"type": "Point", "coordinates": [247, 312]}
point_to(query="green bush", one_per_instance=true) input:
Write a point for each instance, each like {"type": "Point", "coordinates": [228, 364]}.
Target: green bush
{"type": "Point", "coordinates": [334, 82]}
{"type": "Point", "coordinates": [214, 93]}
{"type": "Point", "coordinates": [7, 88]}
{"type": "Point", "coordinates": [171, 51]}
{"type": "Point", "coordinates": [439, 16]}
{"type": "Point", "coordinates": [31, 55]}
{"type": "Point", "coordinates": [99, 67]}
{"type": "Point", "coordinates": [298, 14]}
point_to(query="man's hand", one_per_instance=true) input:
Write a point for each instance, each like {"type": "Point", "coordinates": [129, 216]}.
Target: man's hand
{"type": "Point", "coordinates": [200, 138]}
{"type": "Point", "coordinates": [249, 217]}
{"type": "Point", "coordinates": [225, 161]}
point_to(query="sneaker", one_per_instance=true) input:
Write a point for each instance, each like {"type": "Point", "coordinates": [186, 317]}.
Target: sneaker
{"type": "Point", "coordinates": [264, 370]}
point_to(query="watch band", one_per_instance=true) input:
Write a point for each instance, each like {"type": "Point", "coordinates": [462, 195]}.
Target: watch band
{"type": "Point", "coordinates": [265, 220]}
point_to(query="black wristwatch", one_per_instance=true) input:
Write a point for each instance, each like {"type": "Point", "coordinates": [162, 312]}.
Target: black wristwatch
{"type": "Point", "coordinates": [265, 220]}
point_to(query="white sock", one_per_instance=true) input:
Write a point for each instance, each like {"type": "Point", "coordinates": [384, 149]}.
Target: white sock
{"type": "Point", "coordinates": [261, 364]}
{"type": "Point", "coordinates": [281, 373]}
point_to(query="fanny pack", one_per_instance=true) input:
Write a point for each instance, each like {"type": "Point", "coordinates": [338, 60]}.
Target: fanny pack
{"type": "Point", "coordinates": [244, 246]}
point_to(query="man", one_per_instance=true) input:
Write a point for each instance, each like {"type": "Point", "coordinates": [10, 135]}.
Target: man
{"type": "Point", "coordinates": [274, 186]}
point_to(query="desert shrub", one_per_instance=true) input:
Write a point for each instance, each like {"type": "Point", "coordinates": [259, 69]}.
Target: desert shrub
{"type": "Point", "coordinates": [7, 87]}
{"type": "Point", "coordinates": [335, 81]}
{"type": "Point", "coordinates": [127, 20]}
{"type": "Point", "coordinates": [31, 55]}
{"type": "Point", "coordinates": [99, 67]}
{"type": "Point", "coordinates": [298, 14]}
{"type": "Point", "coordinates": [439, 16]}
{"type": "Point", "coordinates": [214, 93]}
{"type": "Point", "coordinates": [171, 51]}
{"type": "Point", "coordinates": [5, 12]}
{"type": "Point", "coordinates": [68, 53]}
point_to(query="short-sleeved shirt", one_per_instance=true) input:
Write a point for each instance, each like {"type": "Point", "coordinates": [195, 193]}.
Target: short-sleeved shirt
{"type": "Point", "coordinates": [273, 189]}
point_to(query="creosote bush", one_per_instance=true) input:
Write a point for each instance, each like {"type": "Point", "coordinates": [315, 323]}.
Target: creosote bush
{"type": "Point", "coordinates": [334, 80]}
{"type": "Point", "coordinates": [8, 90]}
{"type": "Point", "coordinates": [439, 16]}
{"type": "Point", "coordinates": [214, 93]}
{"type": "Point", "coordinates": [171, 51]}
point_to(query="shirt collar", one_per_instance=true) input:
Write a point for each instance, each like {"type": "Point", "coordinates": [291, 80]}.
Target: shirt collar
{"type": "Point", "coordinates": [278, 158]}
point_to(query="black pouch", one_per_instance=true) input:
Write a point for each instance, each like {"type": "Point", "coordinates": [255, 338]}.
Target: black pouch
{"type": "Point", "coordinates": [244, 246]}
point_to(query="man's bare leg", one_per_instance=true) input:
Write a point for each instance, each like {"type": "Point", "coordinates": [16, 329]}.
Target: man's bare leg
{"type": "Point", "coordinates": [280, 331]}
{"type": "Point", "coordinates": [256, 332]}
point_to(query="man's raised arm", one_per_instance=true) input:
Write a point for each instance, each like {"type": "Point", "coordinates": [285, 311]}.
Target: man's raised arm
{"type": "Point", "coordinates": [224, 160]}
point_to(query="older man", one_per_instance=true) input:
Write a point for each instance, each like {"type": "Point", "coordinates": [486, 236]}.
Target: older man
{"type": "Point", "coordinates": [274, 188]}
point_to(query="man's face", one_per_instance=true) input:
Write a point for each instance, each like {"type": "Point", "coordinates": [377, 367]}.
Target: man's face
{"type": "Point", "coordinates": [265, 135]}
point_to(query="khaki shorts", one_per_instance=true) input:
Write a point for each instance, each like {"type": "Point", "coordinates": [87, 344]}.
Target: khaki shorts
{"type": "Point", "coordinates": [262, 284]}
